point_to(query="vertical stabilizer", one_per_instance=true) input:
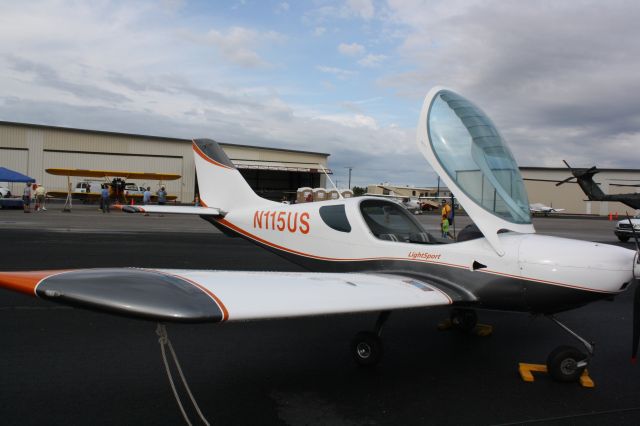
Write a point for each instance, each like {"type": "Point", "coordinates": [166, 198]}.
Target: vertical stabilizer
{"type": "Point", "coordinates": [588, 185]}
{"type": "Point", "coordinates": [221, 184]}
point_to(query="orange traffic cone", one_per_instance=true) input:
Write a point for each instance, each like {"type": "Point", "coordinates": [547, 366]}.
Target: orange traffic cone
{"type": "Point", "coordinates": [131, 201]}
{"type": "Point", "coordinates": [610, 216]}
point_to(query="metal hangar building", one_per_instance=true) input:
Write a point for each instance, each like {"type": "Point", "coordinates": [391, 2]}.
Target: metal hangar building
{"type": "Point", "coordinates": [32, 148]}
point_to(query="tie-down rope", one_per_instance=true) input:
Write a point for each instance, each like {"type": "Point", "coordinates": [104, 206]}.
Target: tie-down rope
{"type": "Point", "coordinates": [164, 341]}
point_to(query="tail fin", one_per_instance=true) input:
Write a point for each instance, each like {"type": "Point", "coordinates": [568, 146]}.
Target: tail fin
{"type": "Point", "coordinates": [586, 182]}
{"type": "Point", "coordinates": [221, 184]}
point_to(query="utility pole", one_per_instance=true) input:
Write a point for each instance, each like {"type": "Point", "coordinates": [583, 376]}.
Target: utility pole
{"type": "Point", "coordinates": [350, 168]}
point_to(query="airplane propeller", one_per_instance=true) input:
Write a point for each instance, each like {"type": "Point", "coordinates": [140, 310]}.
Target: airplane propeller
{"type": "Point", "coordinates": [636, 300]}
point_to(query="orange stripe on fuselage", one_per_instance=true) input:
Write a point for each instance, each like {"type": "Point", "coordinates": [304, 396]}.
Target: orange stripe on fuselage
{"type": "Point", "coordinates": [331, 259]}
{"type": "Point", "coordinates": [24, 282]}
{"type": "Point", "coordinates": [205, 157]}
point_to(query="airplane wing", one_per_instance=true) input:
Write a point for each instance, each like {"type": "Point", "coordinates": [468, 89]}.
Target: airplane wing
{"type": "Point", "coordinates": [112, 173]}
{"type": "Point", "coordinates": [216, 296]}
{"type": "Point", "coordinates": [203, 211]}
{"type": "Point", "coordinates": [75, 195]}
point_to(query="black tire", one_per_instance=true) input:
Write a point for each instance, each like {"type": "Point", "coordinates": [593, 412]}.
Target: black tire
{"type": "Point", "coordinates": [366, 348]}
{"type": "Point", "coordinates": [562, 364]}
{"type": "Point", "coordinates": [623, 238]}
{"type": "Point", "coordinates": [464, 319]}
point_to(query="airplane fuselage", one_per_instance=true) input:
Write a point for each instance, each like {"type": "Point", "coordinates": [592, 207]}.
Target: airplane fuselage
{"type": "Point", "coordinates": [537, 273]}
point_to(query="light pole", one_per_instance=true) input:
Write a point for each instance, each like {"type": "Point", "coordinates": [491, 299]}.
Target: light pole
{"type": "Point", "coordinates": [350, 168]}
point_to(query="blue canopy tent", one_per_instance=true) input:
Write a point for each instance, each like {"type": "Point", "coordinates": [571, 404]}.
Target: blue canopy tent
{"type": "Point", "coordinates": [7, 175]}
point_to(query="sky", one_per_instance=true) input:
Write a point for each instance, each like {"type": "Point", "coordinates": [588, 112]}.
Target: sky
{"type": "Point", "coordinates": [561, 80]}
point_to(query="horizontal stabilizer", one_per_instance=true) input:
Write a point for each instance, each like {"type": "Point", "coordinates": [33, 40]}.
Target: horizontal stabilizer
{"type": "Point", "coordinates": [216, 296]}
{"type": "Point", "coordinates": [202, 211]}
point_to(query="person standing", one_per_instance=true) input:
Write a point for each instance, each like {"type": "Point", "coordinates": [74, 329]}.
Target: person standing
{"type": "Point", "coordinates": [446, 217]}
{"type": "Point", "coordinates": [104, 199]}
{"type": "Point", "coordinates": [146, 196]}
{"type": "Point", "coordinates": [162, 196]}
{"type": "Point", "coordinates": [26, 198]}
{"type": "Point", "coordinates": [445, 228]}
{"type": "Point", "coordinates": [41, 194]}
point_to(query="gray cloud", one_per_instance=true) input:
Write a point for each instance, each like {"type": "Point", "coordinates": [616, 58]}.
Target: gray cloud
{"type": "Point", "coordinates": [48, 77]}
{"type": "Point", "coordinates": [560, 79]}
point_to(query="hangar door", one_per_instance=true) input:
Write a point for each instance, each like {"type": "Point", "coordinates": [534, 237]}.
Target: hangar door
{"type": "Point", "coordinates": [116, 162]}
{"type": "Point", "coordinates": [273, 184]}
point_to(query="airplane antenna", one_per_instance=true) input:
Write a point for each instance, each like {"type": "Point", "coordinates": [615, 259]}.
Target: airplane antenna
{"type": "Point", "coordinates": [332, 184]}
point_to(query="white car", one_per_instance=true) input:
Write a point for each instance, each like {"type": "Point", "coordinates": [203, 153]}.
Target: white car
{"type": "Point", "coordinates": [624, 229]}
{"type": "Point", "coordinates": [4, 192]}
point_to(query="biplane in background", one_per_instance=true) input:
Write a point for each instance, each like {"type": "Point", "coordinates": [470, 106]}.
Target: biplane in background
{"type": "Point", "coordinates": [119, 189]}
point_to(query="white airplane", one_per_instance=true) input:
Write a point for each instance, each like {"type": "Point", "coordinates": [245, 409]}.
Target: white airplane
{"type": "Point", "coordinates": [368, 253]}
{"type": "Point", "coordinates": [410, 203]}
{"type": "Point", "coordinates": [539, 208]}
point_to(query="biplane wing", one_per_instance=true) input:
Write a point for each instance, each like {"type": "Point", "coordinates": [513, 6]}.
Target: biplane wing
{"type": "Point", "coordinates": [112, 173]}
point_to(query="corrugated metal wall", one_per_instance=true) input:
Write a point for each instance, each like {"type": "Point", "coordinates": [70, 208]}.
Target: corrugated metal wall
{"type": "Point", "coordinates": [31, 149]}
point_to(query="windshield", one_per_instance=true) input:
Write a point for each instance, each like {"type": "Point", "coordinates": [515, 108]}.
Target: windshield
{"type": "Point", "coordinates": [390, 221]}
{"type": "Point", "coordinates": [472, 152]}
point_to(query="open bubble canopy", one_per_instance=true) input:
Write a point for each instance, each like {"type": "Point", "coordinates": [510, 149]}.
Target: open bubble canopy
{"type": "Point", "coordinates": [471, 151]}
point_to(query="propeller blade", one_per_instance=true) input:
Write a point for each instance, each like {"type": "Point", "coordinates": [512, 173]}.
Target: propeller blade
{"type": "Point", "coordinates": [565, 181]}
{"type": "Point", "coordinates": [635, 236]}
{"type": "Point", "coordinates": [567, 164]}
{"type": "Point", "coordinates": [636, 323]}
{"type": "Point", "coordinates": [636, 300]}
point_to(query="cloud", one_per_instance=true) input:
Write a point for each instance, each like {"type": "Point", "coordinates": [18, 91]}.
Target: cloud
{"type": "Point", "coordinates": [353, 49]}
{"type": "Point", "coordinates": [338, 72]}
{"type": "Point", "coordinates": [371, 60]}
{"type": "Point", "coordinates": [319, 31]}
{"type": "Point", "coordinates": [362, 8]}
{"type": "Point", "coordinates": [282, 7]}
{"type": "Point", "coordinates": [329, 12]}
{"type": "Point", "coordinates": [356, 120]}
{"type": "Point", "coordinates": [239, 44]}
{"type": "Point", "coordinates": [559, 79]}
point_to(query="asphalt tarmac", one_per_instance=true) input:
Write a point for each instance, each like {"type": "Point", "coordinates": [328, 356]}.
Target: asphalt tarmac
{"type": "Point", "coordinates": [60, 365]}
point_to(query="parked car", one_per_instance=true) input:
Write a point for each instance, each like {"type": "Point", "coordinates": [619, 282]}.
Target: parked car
{"type": "Point", "coordinates": [131, 188]}
{"type": "Point", "coordinates": [4, 192]}
{"type": "Point", "coordinates": [624, 229]}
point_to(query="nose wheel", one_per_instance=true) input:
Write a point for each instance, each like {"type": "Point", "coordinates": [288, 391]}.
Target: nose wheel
{"type": "Point", "coordinates": [566, 364]}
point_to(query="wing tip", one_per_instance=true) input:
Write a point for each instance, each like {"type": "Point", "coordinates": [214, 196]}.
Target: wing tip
{"type": "Point", "coordinates": [24, 281]}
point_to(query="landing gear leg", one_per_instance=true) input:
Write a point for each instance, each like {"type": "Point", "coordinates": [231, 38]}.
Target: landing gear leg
{"type": "Point", "coordinates": [566, 363]}
{"type": "Point", "coordinates": [366, 346]}
{"type": "Point", "coordinates": [464, 319]}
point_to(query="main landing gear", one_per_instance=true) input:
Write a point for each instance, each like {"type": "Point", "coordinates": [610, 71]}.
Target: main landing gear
{"type": "Point", "coordinates": [366, 346]}
{"type": "Point", "coordinates": [566, 363]}
{"type": "Point", "coordinates": [463, 319]}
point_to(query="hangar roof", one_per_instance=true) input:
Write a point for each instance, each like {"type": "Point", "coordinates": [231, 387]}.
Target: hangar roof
{"type": "Point", "coordinates": [160, 138]}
